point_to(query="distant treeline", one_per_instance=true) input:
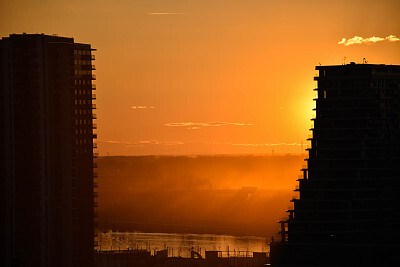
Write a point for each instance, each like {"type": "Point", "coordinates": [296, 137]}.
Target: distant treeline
{"type": "Point", "coordinates": [196, 172]}
{"type": "Point", "coordinates": [238, 195]}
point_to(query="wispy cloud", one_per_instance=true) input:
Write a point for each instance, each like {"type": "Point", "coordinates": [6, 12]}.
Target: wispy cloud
{"type": "Point", "coordinates": [266, 144]}
{"type": "Point", "coordinates": [198, 125]}
{"type": "Point", "coordinates": [112, 142]}
{"type": "Point", "coordinates": [370, 40]}
{"type": "Point", "coordinates": [165, 13]}
{"type": "Point", "coordinates": [142, 107]}
{"type": "Point", "coordinates": [155, 142]}
{"type": "Point", "coordinates": [142, 142]}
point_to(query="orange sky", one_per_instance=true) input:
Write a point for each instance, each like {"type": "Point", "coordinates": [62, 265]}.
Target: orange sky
{"type": "Point", "coordinates": [209, 76]}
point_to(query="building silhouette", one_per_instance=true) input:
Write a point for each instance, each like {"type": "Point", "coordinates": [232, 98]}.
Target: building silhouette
{"type": "Point", "coordinates": [348, 209]}
{"type": "Point", "coordinates": [47, 197]}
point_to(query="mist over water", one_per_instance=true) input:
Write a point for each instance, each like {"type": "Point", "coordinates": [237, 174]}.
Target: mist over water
{"type": "Point", "coordinates": [224, 195]}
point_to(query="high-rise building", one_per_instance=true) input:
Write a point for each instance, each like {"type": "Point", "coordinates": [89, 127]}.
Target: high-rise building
{"type": "Point", "coordinates": [348, 210]}
{"type": "Point", "coordinates": [46, 114]}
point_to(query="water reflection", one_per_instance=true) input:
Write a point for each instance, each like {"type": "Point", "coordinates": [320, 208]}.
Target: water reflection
{"type": "Point", "coordinates": [180, 245]}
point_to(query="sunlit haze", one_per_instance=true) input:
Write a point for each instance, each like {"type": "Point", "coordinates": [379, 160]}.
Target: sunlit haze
{"type": "Point", "coordinates": [211, 77]}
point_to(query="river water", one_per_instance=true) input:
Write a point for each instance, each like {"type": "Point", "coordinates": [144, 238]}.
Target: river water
{"type": "Point", "coordinates": [180, 245]}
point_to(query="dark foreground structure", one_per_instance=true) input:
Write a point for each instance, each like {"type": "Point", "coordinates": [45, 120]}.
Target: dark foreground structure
{"type": "Point", "coordinates": [349, 206]}
{"type": "Point", "coordinates": [143, 258]}
{"type": "Point", "coordinates": [46, 151]}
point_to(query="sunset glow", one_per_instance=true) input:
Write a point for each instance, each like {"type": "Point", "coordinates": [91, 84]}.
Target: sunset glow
{"type": "Point", "coordinates": [211, 77]}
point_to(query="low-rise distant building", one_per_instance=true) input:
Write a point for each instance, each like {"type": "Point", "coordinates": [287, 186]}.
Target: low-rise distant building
{"type": "Point", "coordinates": [143, 258]}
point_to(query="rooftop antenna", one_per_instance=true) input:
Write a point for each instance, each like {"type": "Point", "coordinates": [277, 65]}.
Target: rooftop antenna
{"type": "Point", "coordinates": [344, 60]}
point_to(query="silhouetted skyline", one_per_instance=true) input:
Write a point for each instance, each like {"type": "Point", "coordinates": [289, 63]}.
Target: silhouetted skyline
{"type": "Point", "coordinates": [198, 78]}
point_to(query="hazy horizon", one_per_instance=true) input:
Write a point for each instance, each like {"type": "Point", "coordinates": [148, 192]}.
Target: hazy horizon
{"type": "Point", "coordinates": [221, 154]}
{"type": "Point", "coordinates": [204, 194]}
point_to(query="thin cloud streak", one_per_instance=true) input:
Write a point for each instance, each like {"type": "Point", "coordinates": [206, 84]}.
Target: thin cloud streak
{"type": "Point", "coordinates": [142, 107]}
{"type": "Point", "coordinates": [111, 142]}
{"type": "Point", "coordinates": [370, 40]}
{"type": "Point", "coordinates": [156, 142]}
{"type": "Point", "coordinates": [268, 145]}
{"type": "Point", "coordinates": [198, 125]}
{"type": "Point", "coordinates": [142, 142]}
{"type": "Point", "coordinates": [165, 13]}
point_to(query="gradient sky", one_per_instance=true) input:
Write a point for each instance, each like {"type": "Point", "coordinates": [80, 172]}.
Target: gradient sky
{"type": "Point", "coordinates": [206, 76]}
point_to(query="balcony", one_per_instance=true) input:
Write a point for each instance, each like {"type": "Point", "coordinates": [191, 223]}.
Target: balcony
{"type": "Point", "coordinates": [95, 155]}
{"type": "Point", "coordinates": [93, 76]}
{"type": "Point", "coordinates": [93, 57]}
{"type": "Point", "coordinates": [94, 116]}
{"type": "Point", "coordinates": [94, 96]}
{"type": "Point", "coordinates": [95, 185]}
{"type": "Point", "coordinates": [94, 136]}
{"type": "Point", "coordinates": [94, 125]}
{"type": "Point", "coordinates": [283, 231]}
{"type": "Point", "coordinates": [93, 87]}
{"type": "Point", "coordinates": [93, 106]}
{"type": "Point", "coordinates": [291, 213]}
{"type": "Point", "coordinates": [93, 67]}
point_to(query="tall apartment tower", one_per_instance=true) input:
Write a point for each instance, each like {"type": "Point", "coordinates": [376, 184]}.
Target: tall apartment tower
{"type": "Point", "coordinates": [349, 205]}
{"type": "Point", "coordinates": [47, 197]}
